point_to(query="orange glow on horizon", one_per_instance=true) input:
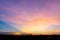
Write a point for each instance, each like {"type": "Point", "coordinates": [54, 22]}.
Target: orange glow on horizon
{"type": "Point", "coordinates": [38, 26]}
{"type": "Point", "coordinates": [16, 33]}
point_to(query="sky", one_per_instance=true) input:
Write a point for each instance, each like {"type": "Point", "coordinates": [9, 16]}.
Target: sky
{"type": "Point", "coordinates": [30, 16]}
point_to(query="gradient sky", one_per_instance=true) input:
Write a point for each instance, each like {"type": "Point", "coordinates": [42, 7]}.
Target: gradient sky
{"type": "Point", "coordinates": [30, 16]}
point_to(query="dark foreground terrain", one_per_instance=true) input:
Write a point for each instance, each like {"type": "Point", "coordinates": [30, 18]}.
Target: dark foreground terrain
{"type": "Point", "coordinates": [30, 37]}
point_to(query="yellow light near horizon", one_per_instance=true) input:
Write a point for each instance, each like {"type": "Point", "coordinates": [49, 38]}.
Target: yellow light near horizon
{"type": "Point", "coordinates": [36, 26]}
{"type": "Point", "coordinates": [16, 33]}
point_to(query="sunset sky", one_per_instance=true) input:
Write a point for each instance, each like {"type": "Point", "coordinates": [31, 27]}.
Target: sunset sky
{"type": "Point", "coordinates": [30, 16]}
